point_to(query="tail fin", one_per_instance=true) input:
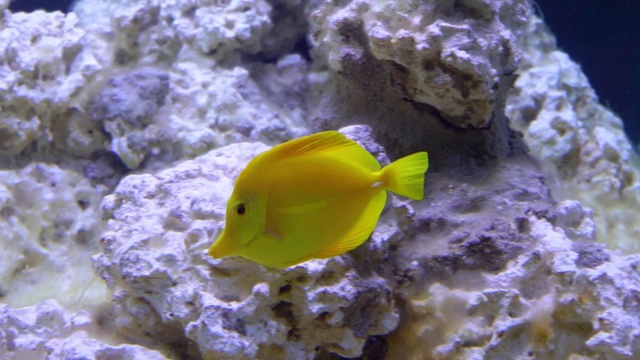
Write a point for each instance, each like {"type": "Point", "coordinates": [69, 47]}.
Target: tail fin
{"type": "Point", "coordinates": [406, 176]}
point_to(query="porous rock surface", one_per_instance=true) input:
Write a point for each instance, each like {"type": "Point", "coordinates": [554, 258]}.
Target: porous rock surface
{"type": "Point", "coordinates": [205, 96]}
{"type": "Point", "coordinates": [46, 61]}
{"type": "Point", "coordinates": [566, 297]}
{"type": "Point", "coordinates": [454, 57]}
{"type": "Point", "coordinates": [220, 29]}
{"type": "Point", "coordinates": [47, 331]}
{"type": "Point", "coordinates": [146, 86]}
{"type": "Point", "coordinates": [578, 141]}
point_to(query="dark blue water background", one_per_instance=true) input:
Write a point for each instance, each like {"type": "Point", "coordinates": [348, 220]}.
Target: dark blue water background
{"type": "Point", "coordinates": [602, 36]}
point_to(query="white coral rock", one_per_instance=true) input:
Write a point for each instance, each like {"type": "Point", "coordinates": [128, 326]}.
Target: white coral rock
{"type": "Point", "coordinates": [454, 54]}
{"type": "Point", "coordinates": [46, 61]}
{"type": "Point", "coordinates": [46, 330]}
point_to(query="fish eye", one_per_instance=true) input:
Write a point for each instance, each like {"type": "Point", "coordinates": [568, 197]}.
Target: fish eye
{"type": "Point", "coordinates": [241, 209]}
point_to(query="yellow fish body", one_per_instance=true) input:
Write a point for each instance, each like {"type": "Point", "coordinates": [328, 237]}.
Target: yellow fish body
{"type": "Point", "coordinates": [314, 197]}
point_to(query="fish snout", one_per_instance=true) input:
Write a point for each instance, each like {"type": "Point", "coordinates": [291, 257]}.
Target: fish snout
{"type": "Point", "coordinates": [222, 247]}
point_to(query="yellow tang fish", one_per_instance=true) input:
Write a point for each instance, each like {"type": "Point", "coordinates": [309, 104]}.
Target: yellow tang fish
{"type": "Point", "coordinates": [314, 197]}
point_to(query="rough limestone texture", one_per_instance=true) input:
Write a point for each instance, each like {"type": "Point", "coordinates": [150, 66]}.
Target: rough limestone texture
{"type": "Point", "coordinates": [47, 331]}
{"type": "Point", "coordinates": [125, 107]}
{"type": "Point", "coordinates": [166, 115]}
{"type": "Point", "coordinates": [204, 97]}
{"type": "Point", "coordinates": [145, 87]}
{"type": "Point", "coordinates": [580, 143]}
{"type": "Point", "coordinates": [169, 292]}
{"type": "Point", "coordinates": [450, 56]}
{"type": "Point", "coordinates": [49, 218]}
{"type": "Point", "coordinates": [566, 297]}
{"type": "Point", "coordinates": [46, 61]}
{"type": "Point", "coordinates": [218, 29]}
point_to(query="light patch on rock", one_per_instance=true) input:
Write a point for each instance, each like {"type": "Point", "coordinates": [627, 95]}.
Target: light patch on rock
{"type": "Point", "coordinates": [50, 226]}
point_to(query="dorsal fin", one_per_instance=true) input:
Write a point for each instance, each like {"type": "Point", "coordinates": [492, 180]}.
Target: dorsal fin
{"type": "Point", "coordinates": [327, 143]}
